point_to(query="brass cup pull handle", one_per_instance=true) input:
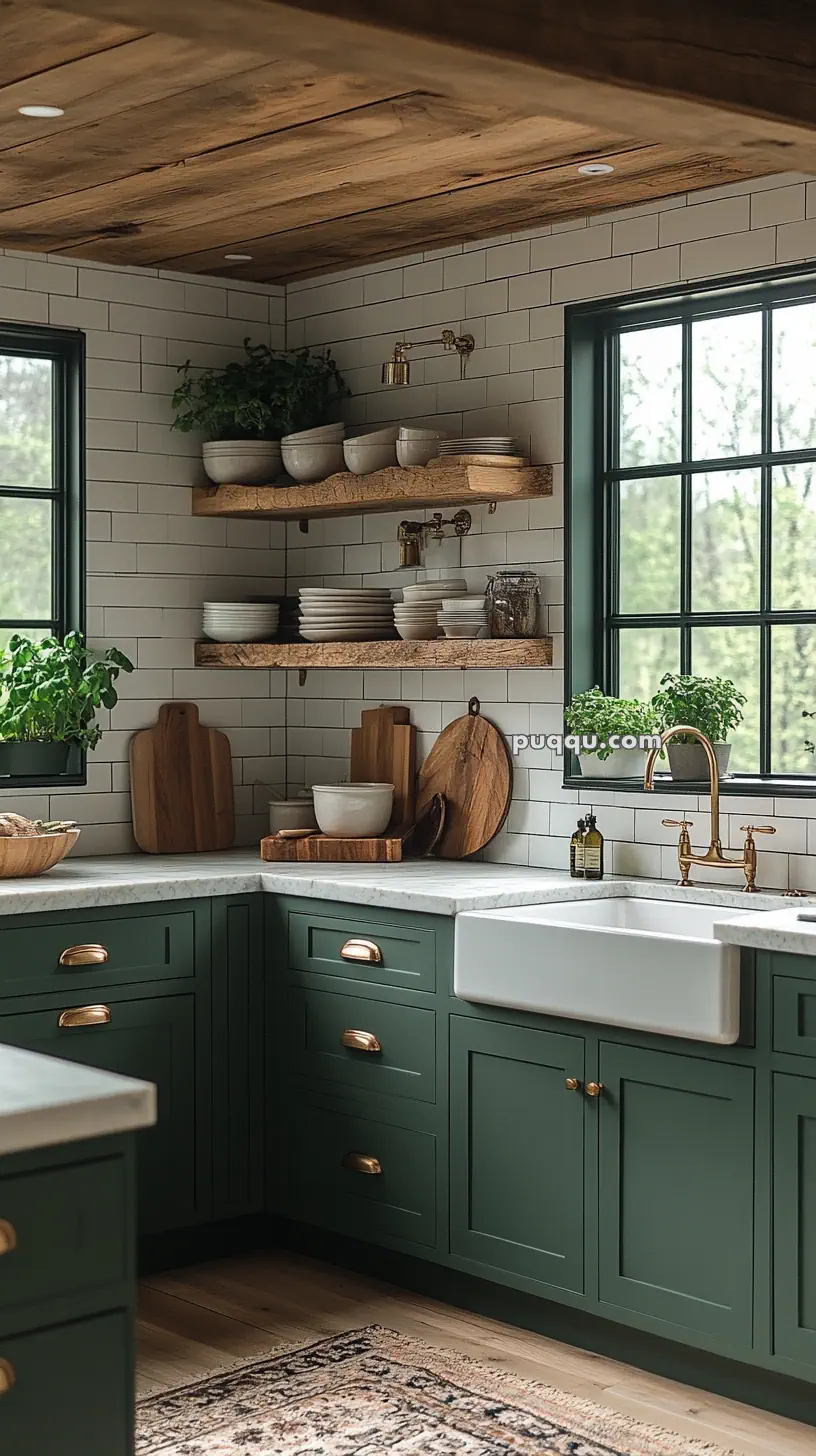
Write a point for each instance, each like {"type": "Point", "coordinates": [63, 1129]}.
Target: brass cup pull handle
{"type": "Point", "coordinates": [362, 950]}
{"type": "Point", "coordinates": [8, 1237]}
{"type": "Point", "coordinates": [361, 1163]}
{"type": "Point", "coordinates": [572, 1084]}
{"type": "Point", "coordinates": [360, 1041]}
{"type": "Point", "coordinates": [594, 1089]}
{"type": "Point", "coordinates": [7, 1376]}
{"type": "Point", "coordinates": [84, 955]}
{"type": "Point", "coordinates": [85, 1016]}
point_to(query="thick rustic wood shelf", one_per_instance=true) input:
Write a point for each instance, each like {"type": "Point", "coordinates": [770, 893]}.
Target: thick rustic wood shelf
{"type": "Point", "coordinates": [442, 652]}
{"type": "Point", "coordinates": [441, 483]}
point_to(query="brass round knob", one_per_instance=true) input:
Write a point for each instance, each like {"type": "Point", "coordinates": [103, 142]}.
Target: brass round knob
{"type": "Point", "coordinates": [572, 1084]}
{"type": "Point", "coordinates": [7, 1376]}
{"type": "Point", "coordinates": [594, 1089]}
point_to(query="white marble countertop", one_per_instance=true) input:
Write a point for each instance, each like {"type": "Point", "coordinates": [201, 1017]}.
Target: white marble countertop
{"type": "Point", "coordinates": [781, 930]}
{"type": "Point", "coordinates": [44, 1101]}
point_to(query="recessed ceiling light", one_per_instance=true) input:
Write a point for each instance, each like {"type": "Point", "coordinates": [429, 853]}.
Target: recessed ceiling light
{"type": "Point", "coordinates": [43, 111]}
{"type": "Point", "coordinates": [596, 169]}
{"type": "Point", "coordinates": [238, 257]}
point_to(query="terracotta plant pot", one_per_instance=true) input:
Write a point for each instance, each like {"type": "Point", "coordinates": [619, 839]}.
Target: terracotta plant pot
{"type": "Point", "coordinates": [242, 462]}
{"type": "Point", "coordinates": [688, 761]}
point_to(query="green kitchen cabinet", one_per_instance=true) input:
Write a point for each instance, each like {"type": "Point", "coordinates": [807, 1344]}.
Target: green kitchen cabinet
{"type": "Point", "coordinates": [794, 1181]}
{"type": "Point", "coordinates": [676, 1190]}
{"type": "Point", "coordinates": [237, 1055]}
{"type": "Point", "coordinates": [72, 1389]}
{"type": "Point", "coordinates": [517, 1151]}
{"type": "Point", "coordinates": [154, 1039]}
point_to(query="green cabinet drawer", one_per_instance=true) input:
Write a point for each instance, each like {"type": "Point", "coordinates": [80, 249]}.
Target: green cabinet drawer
{"type": "Point", "coordinates": [66, 953]}
{"type": "Point", "coordinates": [794, 1016]}
{"type": "Point", "coordinates": [152, 1039]}
{"type": "Point", "coordinates": [375, 1046]}
{"type": "Point", "coordinates": [328, 945]}
{"type": "Point", "coordinates": [69, 1390]}
{"type": "Point", "coordinates": [64, 1230]}
{"type": "Point", "coordinates": [394, 1201]}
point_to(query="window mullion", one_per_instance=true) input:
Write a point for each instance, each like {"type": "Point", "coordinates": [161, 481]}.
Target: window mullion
{"type": "Point", "coordinates": [765, 548]}
{"type": "Point", "coordinates": [685, 498]}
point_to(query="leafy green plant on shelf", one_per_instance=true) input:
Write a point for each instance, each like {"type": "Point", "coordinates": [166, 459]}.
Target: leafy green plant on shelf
{"type": "Point", "coordinates": [50, 694]}
{"type": "Point", "coordinates": [712, 705]}
{"type": "Point", "coordinates": [592, 713]}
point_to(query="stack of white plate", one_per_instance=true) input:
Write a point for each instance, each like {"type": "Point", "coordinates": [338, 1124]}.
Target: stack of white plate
{"type": "Point", "coordinates": [416, 616]}
{"type": "Point", "coordinates": [482, 445]}
{"type": "Point", "coordinates": [463, 616]}
{"type": "Point", "coordinates": [240, 621]}
{"type": "Point", "coordinates": [346, 614]}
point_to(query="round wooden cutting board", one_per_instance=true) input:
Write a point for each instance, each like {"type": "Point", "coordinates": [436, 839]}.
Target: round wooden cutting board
{"type": "Point", "coordinates": [470, 765]}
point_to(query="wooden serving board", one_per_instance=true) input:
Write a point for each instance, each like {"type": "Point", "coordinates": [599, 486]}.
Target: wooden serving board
{"type": "Point", "coordinates": [383, 751]}
{"type": "Point", "coordinates": [181, 785]}
{"type": "Point", "coordinates": [321, 849]}
{"type": "Point", "coordinates": [470, 766]}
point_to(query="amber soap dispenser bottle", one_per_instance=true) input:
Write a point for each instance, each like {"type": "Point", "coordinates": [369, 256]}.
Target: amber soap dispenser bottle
{"type": "Point", "coordinates": [577, 851]}
{"type": "Point", "coordinates": [593, 851]}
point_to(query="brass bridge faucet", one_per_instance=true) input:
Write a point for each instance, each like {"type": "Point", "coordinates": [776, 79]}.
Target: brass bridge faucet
{"type": "Point", "coordinates": [713, 855]}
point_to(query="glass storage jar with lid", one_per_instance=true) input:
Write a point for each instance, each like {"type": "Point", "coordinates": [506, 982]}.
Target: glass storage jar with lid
{"type": "Point", "coordinates": [514, 598]}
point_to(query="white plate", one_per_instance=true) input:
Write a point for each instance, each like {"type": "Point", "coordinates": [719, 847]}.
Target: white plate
{"type": "Point", "coordinates": [335, 594]}
{"type": "Point", "coordinates": [236, 634]}
{"type": "Point", "coordinates": [345, 634]}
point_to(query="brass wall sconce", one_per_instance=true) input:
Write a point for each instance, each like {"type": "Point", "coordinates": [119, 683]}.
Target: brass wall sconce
{"type": "Point", "coordinates": [413, 536]}
{"type": "Point", "coordinates": [397, 369]}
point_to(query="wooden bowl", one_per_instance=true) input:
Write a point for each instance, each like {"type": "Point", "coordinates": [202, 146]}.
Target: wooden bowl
{"type": "Point", "coordinates": [34, 854]}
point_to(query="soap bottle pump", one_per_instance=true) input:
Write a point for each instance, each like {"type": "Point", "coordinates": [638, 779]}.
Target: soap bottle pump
{"type": "Point", "coordinates": [593, 851]}
{"type": "Point", "coordinates": [577, 851]}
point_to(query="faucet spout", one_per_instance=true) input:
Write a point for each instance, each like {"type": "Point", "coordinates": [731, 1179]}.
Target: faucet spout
{"type": "Point", "coordinates": [715, 848]}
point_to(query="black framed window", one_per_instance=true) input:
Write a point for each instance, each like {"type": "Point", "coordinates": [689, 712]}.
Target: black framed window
{"type": "Point", "coordinates": [42, 567]}
{"type": "Point", "coordinates": [692, 503]}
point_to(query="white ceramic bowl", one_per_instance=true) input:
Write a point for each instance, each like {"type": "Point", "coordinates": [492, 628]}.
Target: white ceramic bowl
{"type": "Point", "coordinates": [313, 461]}
{"type": "Point", "coordinates": [292, 814]}
{"type": "Point", "coordinates": [419, 432]}
{"type": "Point", "coordinates": [353, 811]}
{"type": "Point", "coordinates": [377, 437]}
{"type": "Point", "coordinates": [242, 462]}
{"type": "Point", "coordinates": [463, 604]}
{"type": "Point", "coordinates": [320, 434]}
{"type": "Point", "coordinates": [362, 457]}
{"type": "Point", "coordinates": [418, 631]}
{"type": "Point", "coordinates": [464, 630]}
{"type": "Point", "coordinates": [413, 453]}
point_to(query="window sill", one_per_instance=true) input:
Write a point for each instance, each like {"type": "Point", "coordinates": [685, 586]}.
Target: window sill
{"type": "Point", "coordinates": [746, 786]}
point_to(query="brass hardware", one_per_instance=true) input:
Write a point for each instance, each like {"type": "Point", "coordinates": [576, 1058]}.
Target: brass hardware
{"type": "Point", "coordinates": [572, 1084]}
{"type": "Point", "coordinates": [361, 1163]}
{"type": "Point", "coordinates": [594, 1089]}
{"type": "Point", "coordinates": [413, 536]}
{"type": "Point", "coordinates": [7, 1376]}
{"type": "Point", "coordinates": [302, 676]}
{"type": "Point", "coordinates": [303, 526]}
{"type": "Point", "coordinates": [84, 955]}
{"type": "Point", "coordinates": [749, 852]}
{"type": "Point", "coordinates": [397, 369]}
{"type": "Point", "coordinates": [491, 508]}
{"type": "Point", "coordinates": [85, 1016]}
{"type": "Point", "coordinates": [360, 1041]}
{"type": "Point", "coordinates": [713, 855]}
{"type": "Point", "coordinates": [409, 537]}
{"type": "Point", "coordinates": [362, 950]}
{"type": "Point", "coordinates": [8, 1237]}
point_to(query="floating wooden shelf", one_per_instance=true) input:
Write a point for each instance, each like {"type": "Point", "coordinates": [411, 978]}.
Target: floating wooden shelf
{"type": "Point", "coordinates": [441, 483]}
{"type": "Point", "coordinates": [442, 652]}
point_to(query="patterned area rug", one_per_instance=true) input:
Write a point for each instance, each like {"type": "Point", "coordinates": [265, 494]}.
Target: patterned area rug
{"type": "Point", "coordinates": [374, 1392]}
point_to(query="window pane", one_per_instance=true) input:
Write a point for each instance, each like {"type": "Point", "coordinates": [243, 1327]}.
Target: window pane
{"type": "Point", "coordinates": [25, 422]}
{"type": "Point", "coordinates": [794, 377]}
{"type": "Point", "coordinates": [725, 541]}
{"type": "Point", "coordinates": [644, 655]}
{"type": "Point", "coordinates": [733, 652]}
{"type": "Point", "coordinates": [35, 633]}
{"type": "Point", "coordinates": [793, 691]}
{"type": "Point", "coordinates": [793, 537]}
{"type": "Point", "coordinates": [25, 558]}
{"type": "Point", "coordinates": [726, 386]}
{"type": "Point", "coordinates": [649, 575]}
{"type": "Point", "coordinates": [650, 396]}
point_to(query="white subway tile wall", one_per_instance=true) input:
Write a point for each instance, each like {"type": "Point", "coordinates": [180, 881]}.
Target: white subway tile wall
{"type": "Point", "coordinates": [510, 293]}
{"type": "Point", "coordinates": [150, 564]}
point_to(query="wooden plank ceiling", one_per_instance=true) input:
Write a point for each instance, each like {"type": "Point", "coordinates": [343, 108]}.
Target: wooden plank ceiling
{"type": "Point", "coordinates": [174, 152]}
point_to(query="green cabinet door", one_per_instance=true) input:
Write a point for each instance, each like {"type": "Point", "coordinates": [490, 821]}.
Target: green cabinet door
{"type": "Point", "coordinates": [517, 1151]}
{"type": "Point", "coordinates": [70, 1390]}
{"type": "Point", "coordinates": [794, 1165]}
{"type": "Point", "coordinates": [676, 1189]}
{"type": "Point", "coordinates": [152, 1039]}
{"type": "Point", "coordinates": [237, 1055]}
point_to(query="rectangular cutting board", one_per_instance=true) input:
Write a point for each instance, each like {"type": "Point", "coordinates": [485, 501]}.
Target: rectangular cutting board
{"type": "Point", "coordinates": [181, 785]}
{"type": "Point", "coordinates": [320, 849]}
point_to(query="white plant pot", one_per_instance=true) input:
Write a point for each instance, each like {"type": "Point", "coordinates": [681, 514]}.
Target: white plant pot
{"type": "Point", "coordinates": [622, 763]}
{"type": "Point", "coordinates": [242, 462]}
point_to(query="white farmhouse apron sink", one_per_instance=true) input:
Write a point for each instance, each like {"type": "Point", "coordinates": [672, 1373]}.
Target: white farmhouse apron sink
{"type": "Point", "coordinates": [653, 965]}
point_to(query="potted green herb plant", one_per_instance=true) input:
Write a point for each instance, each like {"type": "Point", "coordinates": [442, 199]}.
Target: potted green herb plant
{"type": "Point", "coordinates": [711, 704]}
{"type": "Point", "coordinates": [50, 692]}
{"type": "Point", "coordinates": [593, 715]}
{"type": "Point", "coordinates": [247, 406]}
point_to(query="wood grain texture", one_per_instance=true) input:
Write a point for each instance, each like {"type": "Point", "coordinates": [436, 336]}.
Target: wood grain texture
{"type": "Point", "coordinates": [34, 855]}
{"type": "Point", "coordinates": [181, 785]}
{"type": "Point", "coordinates": [469, 765]}
{"type": "Point", "coordinates": [442, 652]}
{"type": "Point", "coordinates": [320, 849]}
{"type": "Point", "coordinates": [442, 483]}
{"type": "Point", "coordinates": [383, 751]}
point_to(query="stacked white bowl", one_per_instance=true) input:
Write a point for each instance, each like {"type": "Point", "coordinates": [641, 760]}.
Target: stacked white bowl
{"type": "Point", "coordinates": [416, 446]}
{"type": "Point", "coordinates": [240, 621]}
{"type": "Point", "coordinates": [313, 454]}
{"type": "Point", "coordinates": [416, 617]}
{"type": "Point", "coordinates": [464, 616]}
{"type": "Point", "coordinates": [346, 614]}
{"type": "Point", "coordinates": [373, 451]}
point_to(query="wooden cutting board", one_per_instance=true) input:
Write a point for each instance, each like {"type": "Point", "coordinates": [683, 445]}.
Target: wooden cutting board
{"type": "Point", "coordinates": [383, 751]}
{"type": "Point", "coordinates": [181, 785]}
{"type": "Point", "coordinates": [470, 766]}
{"type": "Point", "coordinates": [320, 849]}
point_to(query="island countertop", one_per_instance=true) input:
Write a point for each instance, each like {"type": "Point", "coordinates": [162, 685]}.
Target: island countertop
{"type": "Point", "coordinates": [44, 1101]}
